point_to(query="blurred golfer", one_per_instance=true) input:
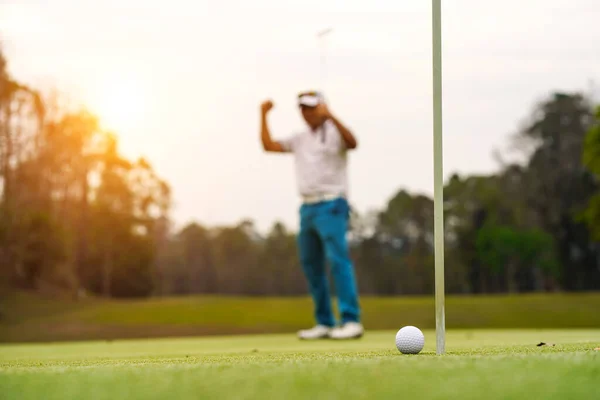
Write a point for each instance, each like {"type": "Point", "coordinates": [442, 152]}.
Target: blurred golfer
{"type": "Point", "coordinates": [321, 159]}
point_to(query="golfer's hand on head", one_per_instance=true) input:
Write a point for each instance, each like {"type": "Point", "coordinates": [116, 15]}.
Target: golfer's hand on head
{"type": "Point", "coordinates": [266, 106]}
{"type": "Point", "coordinates": [323, 111]}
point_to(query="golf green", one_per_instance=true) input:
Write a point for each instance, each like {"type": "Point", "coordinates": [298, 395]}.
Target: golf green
{"type": "Point", "coordinates": [490, 364]}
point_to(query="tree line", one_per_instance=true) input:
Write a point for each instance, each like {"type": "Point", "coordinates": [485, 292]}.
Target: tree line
{"type": "Point", "coordinates": [78, 217]}
{"type": "Point", "coordinates": [74, 213]}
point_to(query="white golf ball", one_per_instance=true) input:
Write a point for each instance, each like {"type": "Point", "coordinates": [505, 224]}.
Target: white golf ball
{"type": "Point", "coordinates": [410, 340]}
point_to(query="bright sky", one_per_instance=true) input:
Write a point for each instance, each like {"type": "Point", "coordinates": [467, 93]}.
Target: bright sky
{"type": "Point", "coordinates": [181, 82]}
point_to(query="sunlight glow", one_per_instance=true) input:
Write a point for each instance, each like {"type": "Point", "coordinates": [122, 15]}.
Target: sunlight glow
{"type": "Point", "coordinates": [118, 101]}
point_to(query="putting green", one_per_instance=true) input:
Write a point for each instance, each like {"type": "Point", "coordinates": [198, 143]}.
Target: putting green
{"type": "Point", "coordinates": [493, 364]}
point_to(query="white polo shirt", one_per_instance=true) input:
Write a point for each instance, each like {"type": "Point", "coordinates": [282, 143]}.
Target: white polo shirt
{"type": "Point", "coordinates": [320, 161]}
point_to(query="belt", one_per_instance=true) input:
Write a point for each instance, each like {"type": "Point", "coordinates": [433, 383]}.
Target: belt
{"type": "Point", "coordinates": [317, 198]}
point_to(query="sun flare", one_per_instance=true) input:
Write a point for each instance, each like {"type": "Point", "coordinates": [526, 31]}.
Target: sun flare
{"type": "Point", "coordinates": [118, 102]}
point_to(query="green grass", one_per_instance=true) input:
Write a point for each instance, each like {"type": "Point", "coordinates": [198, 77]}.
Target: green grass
{"type": "Point", "coordinates": [27, 317]}
{"type": "Point", "coordinates": [488, 364]}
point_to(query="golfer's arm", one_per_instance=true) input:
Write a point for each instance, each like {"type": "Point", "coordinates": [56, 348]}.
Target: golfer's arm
{"type": "Point", "coordinates": [347, 136]}
{"type": "Point", "coordinates": [265, 136]}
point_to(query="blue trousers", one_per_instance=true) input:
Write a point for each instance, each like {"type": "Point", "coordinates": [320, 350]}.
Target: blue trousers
{"type": "Point", "coordinates": [322, 238]}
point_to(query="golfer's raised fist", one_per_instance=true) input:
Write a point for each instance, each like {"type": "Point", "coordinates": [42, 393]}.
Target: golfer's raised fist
{"type": "Point", "coordinates": [266, 106]}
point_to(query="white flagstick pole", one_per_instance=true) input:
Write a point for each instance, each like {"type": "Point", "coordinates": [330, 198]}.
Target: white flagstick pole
{"type": "Point", "coordinates": [438, 178]}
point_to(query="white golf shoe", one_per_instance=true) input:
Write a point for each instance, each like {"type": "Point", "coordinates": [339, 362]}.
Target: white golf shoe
{"type": "Point", "coordinates": [317, 332]}
{"type": "Point", "coordinates": [350, 330]}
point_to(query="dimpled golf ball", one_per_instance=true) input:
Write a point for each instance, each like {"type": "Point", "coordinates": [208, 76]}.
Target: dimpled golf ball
{"type": "Point", "coordinates": [410, 340]}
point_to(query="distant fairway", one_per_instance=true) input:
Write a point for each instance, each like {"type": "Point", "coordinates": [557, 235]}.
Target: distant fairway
{"type": "Point", "coordinates": [26, 317]}
{"type": "Point", "coordinates": [491, 364]}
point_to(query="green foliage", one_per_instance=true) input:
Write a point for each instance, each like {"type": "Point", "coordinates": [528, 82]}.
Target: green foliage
{"type": "Point", "coordinates": [132, 276]}
{"type": "Point", "coordinates": [501, 246]}
{"type": "Point", "coordinates": [592, 216]}
{"type": "Point", "coordinates": [591, 159]}
{"type": "Point", "coordinates": [591, 152]}
{"type": "Point", "coordinates": [44, 246]}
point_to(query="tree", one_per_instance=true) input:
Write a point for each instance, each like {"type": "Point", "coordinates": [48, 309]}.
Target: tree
{"type": "Point", "coordinates": [237, 258]}
{"type": "Point", "coordinates": [43, 250]}
{"type": "Point", "coordinates": [469, 203]}
{"type": "Point", "coordinates": [127, 203]}
{"type": "Point", "coordinates": [591, 159]}
{"type": "Point", "coordinates": [280, 271]}
{"type": "Point", "coordinates": [406, 230]}
{"type": "Point", "coordinates": [21, 113]}
{"type": "Point", "coordinates": [557, 187]}
{"type": "Point", "coordinates": [513, 254]}
{"type": "Point", "coordinates": [67, 158]}
{"type": "Point", "coordinates": [73, 211]}
{"type": "Point", "coordinates": [198, 259]}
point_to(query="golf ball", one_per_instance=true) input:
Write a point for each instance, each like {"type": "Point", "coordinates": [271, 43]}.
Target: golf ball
{"type": "Point", "coordinates": [410, 340]}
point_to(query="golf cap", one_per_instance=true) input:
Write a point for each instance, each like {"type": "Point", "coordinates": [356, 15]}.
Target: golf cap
{"type": "Point", "coordinates": [310, 99]}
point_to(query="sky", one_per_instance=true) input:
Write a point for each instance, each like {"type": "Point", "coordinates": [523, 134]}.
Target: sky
{"type": "Point", "coordinates": [181, 81]}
